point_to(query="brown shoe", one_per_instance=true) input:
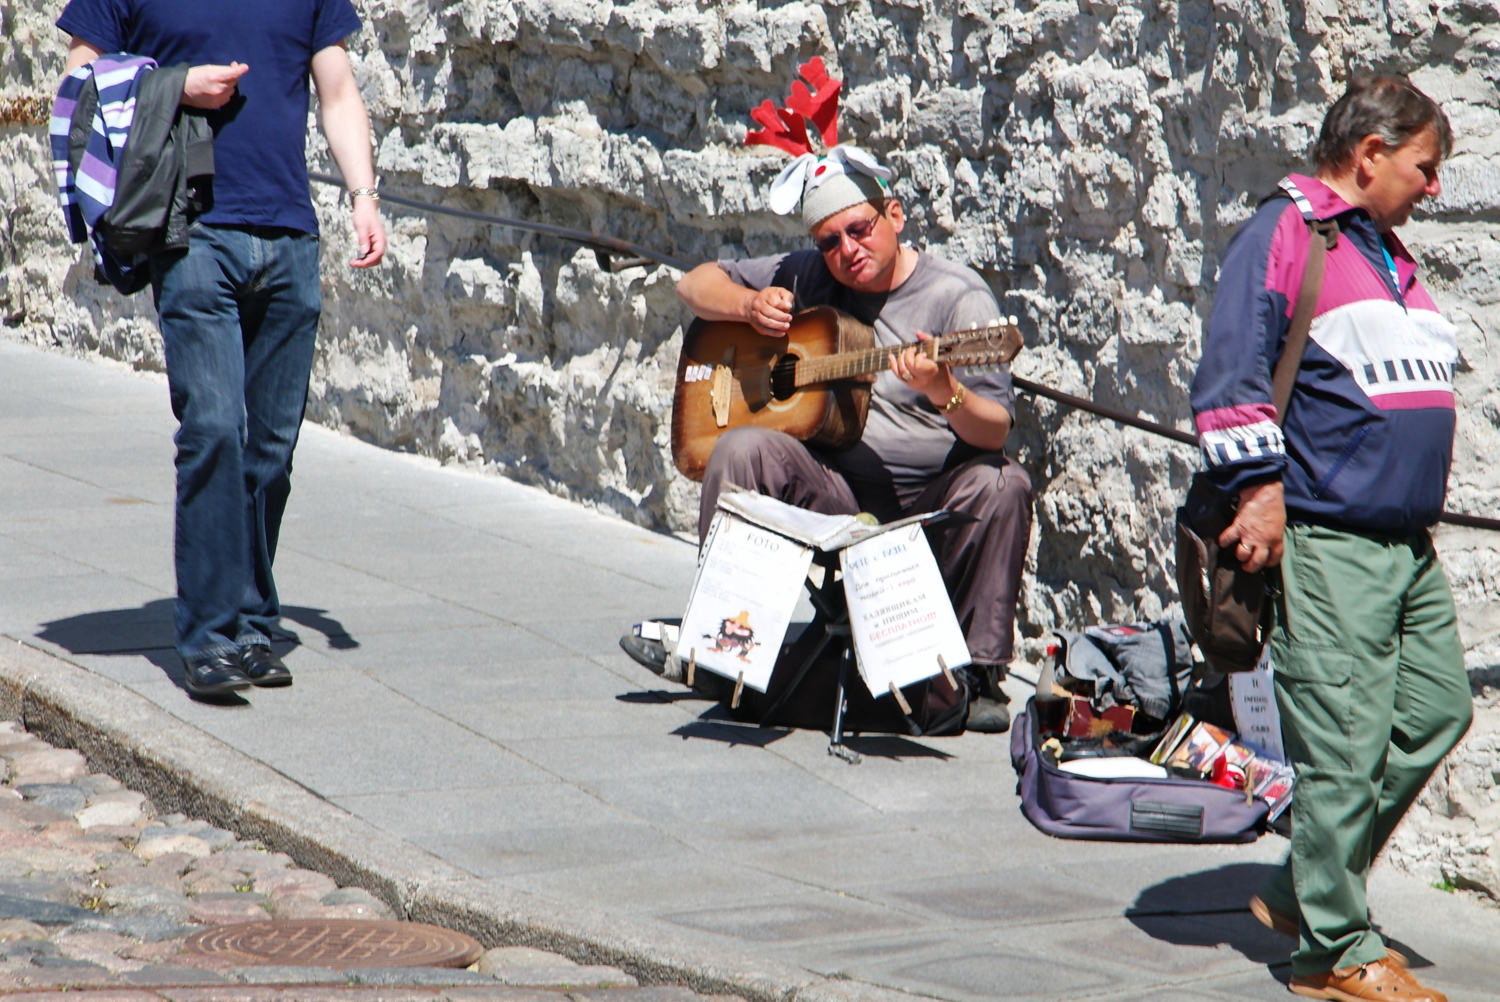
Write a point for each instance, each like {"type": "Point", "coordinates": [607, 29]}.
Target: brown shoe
{"type": "Point", "coordinates": [1287, 925]}
{"type": "Point", "coordinates": [1376, 980]}
{"type": "Point", "coordinates": [1273, 919]}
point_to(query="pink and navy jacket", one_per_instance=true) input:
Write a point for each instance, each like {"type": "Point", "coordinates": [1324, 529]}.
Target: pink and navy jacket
{"type": "Point", "coordinates": [1368, 436]}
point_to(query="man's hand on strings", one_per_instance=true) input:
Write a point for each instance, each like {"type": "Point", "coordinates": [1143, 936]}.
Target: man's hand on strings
{"type": "Point", "coordinates": [769, 310]}
{"type": "Point", "coordinates": [922, 374]}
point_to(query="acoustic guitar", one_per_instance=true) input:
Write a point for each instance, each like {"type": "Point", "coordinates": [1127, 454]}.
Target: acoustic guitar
{"type": "Point", "coordinates": [813, 384]}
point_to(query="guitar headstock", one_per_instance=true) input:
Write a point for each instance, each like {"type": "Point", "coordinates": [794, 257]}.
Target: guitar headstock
{"type": "Point", "coordinates": [996, 343]}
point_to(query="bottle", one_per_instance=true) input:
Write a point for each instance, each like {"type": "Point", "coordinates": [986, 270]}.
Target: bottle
{"type": "Point", "coordinates": [1051, 709]}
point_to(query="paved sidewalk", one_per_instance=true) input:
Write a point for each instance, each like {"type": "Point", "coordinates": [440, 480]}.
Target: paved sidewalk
{"type": "Point", "coordinates": [458, 685]}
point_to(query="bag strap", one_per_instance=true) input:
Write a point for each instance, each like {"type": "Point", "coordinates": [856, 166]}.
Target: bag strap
{"type": "Point", "coordinates": [1285, 376]}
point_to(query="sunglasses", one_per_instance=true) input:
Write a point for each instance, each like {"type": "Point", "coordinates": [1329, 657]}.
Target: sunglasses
{"type": "Point", "coordinates": [858, 232]}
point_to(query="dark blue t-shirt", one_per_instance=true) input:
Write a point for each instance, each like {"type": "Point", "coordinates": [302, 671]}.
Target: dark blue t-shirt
{"type": "Point", "coordinates": [260, 136]}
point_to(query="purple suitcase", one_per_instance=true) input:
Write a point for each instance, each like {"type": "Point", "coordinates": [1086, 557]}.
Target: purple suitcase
{"type": "Point", "coordinates": [1126, 810]}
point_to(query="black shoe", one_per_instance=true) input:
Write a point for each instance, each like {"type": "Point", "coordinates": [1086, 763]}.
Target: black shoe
{"type": "Point", "coordinates": [262, 667]}
{"type": "Point", "coordinates": [652, 655]}
{"type": "Point", "coordinates": [987, 716]}
{"type": "Point", "coordinates": [213, 675]}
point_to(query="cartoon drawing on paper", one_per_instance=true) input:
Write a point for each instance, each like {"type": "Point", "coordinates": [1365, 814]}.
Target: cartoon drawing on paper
{"type": "Point", "coordinates": [735, 637]}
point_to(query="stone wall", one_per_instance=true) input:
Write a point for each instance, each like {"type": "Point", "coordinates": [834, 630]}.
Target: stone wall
{"type": "Point", "coordinates": [1089, 158]}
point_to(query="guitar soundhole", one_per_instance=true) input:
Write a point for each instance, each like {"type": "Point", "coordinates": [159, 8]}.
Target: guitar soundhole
{"type": "Point", "coordinates": [784, 377]}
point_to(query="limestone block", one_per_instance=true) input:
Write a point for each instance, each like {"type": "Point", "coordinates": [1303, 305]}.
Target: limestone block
{"type": "Point", "coordinates": [151, 846]}
{"type": "Point", "coordinates": [14, 929]}
{"type": "Point", "coordinates": [519, 956]}
{"type": "Point", "coordinates": [552, 976]}
{"type": "Point", "coordinates": [60, 765]}
{"type": "Point", "coordinates": [280, 883]}
{"type": "Point", "coordinates": [120, 807]}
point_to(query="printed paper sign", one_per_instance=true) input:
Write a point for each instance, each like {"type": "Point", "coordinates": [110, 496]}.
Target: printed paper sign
{"type": "Point", "coordinates": [1253, 696]}
{"type": "Point", "coordinates": [899, 610]}
{"type": "Point", "coordinates": [742, 600]}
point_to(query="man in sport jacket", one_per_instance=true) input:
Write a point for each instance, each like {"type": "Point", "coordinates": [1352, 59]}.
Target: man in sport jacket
{"type": "Point", "coordinates": [1369, 669]}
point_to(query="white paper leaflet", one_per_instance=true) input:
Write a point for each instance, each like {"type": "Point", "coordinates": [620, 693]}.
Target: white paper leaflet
{"type": "Point", "coordinates": [743, 597]}
{"type": "Point", "coordinates": [899, 610]}
{"type": "Point", "coordinates": [1253, 696]}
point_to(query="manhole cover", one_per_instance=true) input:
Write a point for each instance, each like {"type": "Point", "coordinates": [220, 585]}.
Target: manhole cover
{"type": "Point", "coordinates": [338, 943]}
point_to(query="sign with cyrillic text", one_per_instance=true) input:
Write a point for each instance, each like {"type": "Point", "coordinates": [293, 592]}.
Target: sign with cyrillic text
{"type": "Point", "coordinates": [899, 610]}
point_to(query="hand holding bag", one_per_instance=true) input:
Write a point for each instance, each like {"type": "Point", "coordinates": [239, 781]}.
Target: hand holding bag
{"type": "Point", "coordinates": [1227, 609]}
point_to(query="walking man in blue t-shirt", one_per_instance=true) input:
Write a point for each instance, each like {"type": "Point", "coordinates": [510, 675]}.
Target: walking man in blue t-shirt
{"type": "Point", "coordinates": [239, 308]}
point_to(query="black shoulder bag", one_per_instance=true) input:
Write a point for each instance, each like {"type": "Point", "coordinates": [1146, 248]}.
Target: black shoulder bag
{"type": "Point", "coordinates": [1228, 611]}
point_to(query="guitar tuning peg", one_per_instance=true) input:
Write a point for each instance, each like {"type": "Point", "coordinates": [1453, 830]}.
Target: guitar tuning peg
{"type": "Point", "coordinates": [1014, 320]}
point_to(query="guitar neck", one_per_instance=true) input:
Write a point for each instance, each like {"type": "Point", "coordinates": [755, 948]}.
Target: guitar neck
{"type": "Point", "coordinates": [848, 364]}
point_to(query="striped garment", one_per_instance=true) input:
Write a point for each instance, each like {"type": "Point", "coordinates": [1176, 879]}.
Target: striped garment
{"type": "Point", "coordinates": [1369, 432]}
{"type": "Point", "coordinates": [88, 194]}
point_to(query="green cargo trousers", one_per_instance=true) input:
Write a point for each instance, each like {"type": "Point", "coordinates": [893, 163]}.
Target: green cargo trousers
{"type": "Point", "coordinates": [1373, 694]}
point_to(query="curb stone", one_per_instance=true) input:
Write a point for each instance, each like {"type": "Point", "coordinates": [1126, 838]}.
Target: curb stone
{"type": "Point", "coordinates": [181, 768]}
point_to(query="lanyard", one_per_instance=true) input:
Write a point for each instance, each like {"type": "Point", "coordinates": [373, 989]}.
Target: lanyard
{"type": "Point", "coordinates": [1390, 263]}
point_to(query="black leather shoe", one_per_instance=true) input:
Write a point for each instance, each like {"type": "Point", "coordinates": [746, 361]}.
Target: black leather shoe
{"type": "Point", "coordinates": [213, 675]}
{"type": "Point", "coordinates": [262, 667]}
{"type": "Point", "coordinates": [987, 716]}
{"type": "Point", "coordinates": [652, 655]}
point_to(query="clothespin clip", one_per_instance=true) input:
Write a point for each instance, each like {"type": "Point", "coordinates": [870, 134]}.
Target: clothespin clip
{"type": "Point", "coordinates": [692, 667]}
{"type": "Point", "coordinates": [947, 674]}
{"type": "Point", "coordinates": [900, 700]}
{"type": "Point", "coordinates": [739, 687]}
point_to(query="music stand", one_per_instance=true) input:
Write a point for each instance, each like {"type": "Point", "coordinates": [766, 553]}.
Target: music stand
{"type": "Point", "coordinates": [830, 604]}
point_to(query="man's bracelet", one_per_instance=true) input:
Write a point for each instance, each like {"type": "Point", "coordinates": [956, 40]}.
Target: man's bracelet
{"type": "Point", "coordinates": [956, 401]}
{"type": "Point", "coordinates": [356, 192]}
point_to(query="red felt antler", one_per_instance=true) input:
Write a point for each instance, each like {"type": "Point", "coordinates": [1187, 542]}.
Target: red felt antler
{"type": "Point", "coordinates": [783, 126]}
{"type": "Point", "coordinates": [821, 106]}
{"type": "Point", "coordinates": [783, 130]}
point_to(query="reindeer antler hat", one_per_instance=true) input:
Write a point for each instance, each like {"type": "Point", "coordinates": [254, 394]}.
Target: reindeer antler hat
{"type": "Point", "coordinates": [827, 184]}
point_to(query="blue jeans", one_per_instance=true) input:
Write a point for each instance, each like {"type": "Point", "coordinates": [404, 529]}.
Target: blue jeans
{"type": "Point", "coordinates": [239, 317]}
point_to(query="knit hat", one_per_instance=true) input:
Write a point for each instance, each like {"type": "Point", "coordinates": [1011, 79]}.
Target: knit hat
{"type": "Point", "coordinates": [823, 185]}
{"type": "Point", "coordinates": [829, 184]}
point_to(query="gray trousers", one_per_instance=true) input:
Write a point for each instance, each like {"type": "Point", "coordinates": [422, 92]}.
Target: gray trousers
{"type": "Point", "coordinates": [980, 562]}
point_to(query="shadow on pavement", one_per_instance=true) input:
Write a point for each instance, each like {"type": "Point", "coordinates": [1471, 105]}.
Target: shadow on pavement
{"type": "Point", "coordinates": [316, 619]}
{"type": "Point", "coordinates": [731, 733]}
{"type": "Point", "coordinates": [661, 696]}
{"type": "Point", "coordinates": [148, 632]}
{"type": "Point", "coordinates": [892, 747]}
{"type": "Point", "coordinates": [708, 728]}
{"type": "Point", "coordinates": [1211, 907]}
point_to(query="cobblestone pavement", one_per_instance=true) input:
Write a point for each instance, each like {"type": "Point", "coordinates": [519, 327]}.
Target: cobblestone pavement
{"type": "Point", "coordinates": [97, 895]}
{"type": "Point", "coordinates": [460, 694]}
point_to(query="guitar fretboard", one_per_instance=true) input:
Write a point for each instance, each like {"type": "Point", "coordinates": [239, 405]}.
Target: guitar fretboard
{"type": "Point", "coordinates": [849, 364]}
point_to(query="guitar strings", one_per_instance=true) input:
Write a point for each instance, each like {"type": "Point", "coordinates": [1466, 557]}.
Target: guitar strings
{"type": "Point", "coordinates": [811, 371]}
{"type": "Point", "coordinates": [854, 363]}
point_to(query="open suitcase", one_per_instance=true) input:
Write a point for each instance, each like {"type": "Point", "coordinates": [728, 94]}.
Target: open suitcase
{"type": "Point", "coordinates": [1069, 805]}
